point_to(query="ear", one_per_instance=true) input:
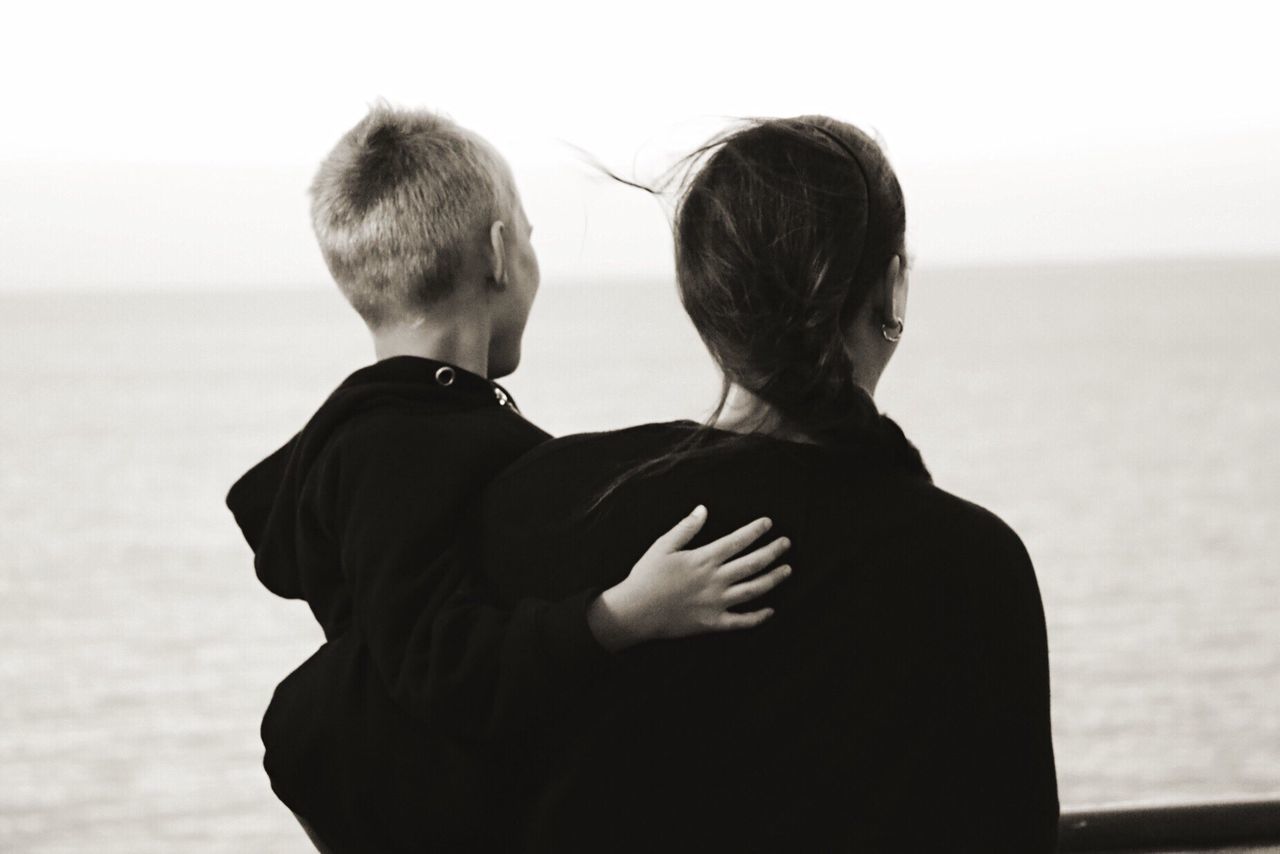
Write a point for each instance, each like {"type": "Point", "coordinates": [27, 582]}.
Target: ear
{"type": "Point", "coordinates": [894, 290]}
{"type": "Point", "coordinates": [498, 261]}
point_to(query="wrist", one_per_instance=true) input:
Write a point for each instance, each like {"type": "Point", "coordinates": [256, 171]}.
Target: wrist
{"type": "Point", "coordinates": [615, 624]}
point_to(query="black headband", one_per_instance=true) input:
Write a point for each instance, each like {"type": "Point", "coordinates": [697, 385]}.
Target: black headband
{"type": "Point", "coordinates": [862, 173]}
{"type": "Point", "coordinates": [844, 146]}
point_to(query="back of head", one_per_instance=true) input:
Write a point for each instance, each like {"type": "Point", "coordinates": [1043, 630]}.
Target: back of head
{"type": "Point", "coordinates": [397, 206]}
{"type": "Point", "coordinates": [781, 236]}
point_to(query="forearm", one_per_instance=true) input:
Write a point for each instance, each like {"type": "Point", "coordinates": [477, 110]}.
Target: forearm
{"type": "Point", "coordinates": [494, 670]}
{"type": "Point", "coordinates": [452, 655]}
{"type": "Point", "coordinates": [448, 652]}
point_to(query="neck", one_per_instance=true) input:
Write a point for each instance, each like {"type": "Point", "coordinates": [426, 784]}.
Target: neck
{"type": "Point", "coordinates": [745, 412]}
{"type": "Point", "coordinates": [458, 342]}
{"type": "Point", "coordinates": [869, 353]}
{"type": "Point", "coordinates": [867, 379]}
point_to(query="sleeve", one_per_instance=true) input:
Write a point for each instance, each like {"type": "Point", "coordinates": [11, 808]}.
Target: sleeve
{"type": "Point", "coordinates": [1005, 757]}
{"type": "Point", "coordinates": [446, 652]}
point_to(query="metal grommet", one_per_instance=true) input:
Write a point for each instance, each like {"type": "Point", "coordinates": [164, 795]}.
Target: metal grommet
{"type": "Point", "coordinates": [445, 375]}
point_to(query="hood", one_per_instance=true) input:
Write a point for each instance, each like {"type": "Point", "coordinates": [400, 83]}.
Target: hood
{"type": "Point", "coordinates": [265, 500]}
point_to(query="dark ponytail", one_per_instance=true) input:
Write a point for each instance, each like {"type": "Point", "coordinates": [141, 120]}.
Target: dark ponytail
{"type": "Point", "coordinates": [782, 230]}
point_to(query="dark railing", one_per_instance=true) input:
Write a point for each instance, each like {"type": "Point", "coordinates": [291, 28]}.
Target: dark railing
{"type": "Point", "coordinates": [1192, 827]}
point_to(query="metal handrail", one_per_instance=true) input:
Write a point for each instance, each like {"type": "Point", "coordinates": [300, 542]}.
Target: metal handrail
{"type": "Point", "coordinates": [1185, 827]}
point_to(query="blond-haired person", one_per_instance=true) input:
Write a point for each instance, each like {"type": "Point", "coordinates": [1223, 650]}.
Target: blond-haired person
{"type": "Point", "coordinates": [362, 513]}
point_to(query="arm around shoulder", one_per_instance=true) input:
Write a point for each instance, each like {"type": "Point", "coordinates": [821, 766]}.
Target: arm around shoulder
{"type": "Point", "coordinates": [445, 649]}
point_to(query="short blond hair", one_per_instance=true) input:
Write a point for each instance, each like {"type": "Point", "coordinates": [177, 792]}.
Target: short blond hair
{"type": "Point", "coordinates": [396, 205]}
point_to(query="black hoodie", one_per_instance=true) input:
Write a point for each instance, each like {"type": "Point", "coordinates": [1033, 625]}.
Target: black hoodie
{"type": "Point", "coordinates": [375, 739]}
{"type": "Point", "coordinates": [897, 701]}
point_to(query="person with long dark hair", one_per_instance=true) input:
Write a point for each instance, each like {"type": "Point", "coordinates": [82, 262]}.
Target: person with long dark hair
{"type": "Point", "coordinates": [899, 699]}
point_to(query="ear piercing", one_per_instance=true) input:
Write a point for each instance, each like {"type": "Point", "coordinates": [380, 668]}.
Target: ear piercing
{"type": "Point", "coordinates": [893, 331]}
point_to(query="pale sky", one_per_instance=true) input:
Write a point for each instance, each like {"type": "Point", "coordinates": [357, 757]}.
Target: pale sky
{"type": "Point", "coordinates": [149, 144]}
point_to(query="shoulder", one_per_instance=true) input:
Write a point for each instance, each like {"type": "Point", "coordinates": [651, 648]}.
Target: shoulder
{"type": "Point", "coordinates": [990, 574]}
{"type": "Point", "coordinates": [491, 438]}
{"type": "Point", "coordinates": [970, 547]}
{"type": "Point", "coordinates": [966, 522]}
{"type": "Point", "coordinates": [594, 453]}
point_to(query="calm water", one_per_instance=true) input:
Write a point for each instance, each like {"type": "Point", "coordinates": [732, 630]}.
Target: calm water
{"type": "Point", "coordinates": [1123, 419]}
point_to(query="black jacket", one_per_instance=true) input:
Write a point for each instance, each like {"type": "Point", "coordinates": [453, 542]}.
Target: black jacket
{"type": "Point", "coordinates": [361, 515]}
{"type": "Point", "coordinates": [897, 701]}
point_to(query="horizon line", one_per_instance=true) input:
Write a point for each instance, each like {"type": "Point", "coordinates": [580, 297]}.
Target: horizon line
{"type": "Point", "coordinates": [926, 267]}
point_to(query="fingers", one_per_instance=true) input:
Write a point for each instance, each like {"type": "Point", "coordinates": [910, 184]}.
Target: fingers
{"type": "Point", "coordinates": [684, 531]}
{"type": "Point", "coordinates": [749, 564]}
{"type": "Point", "coordinates": [731, 621]}
{"type": "Point", "coordinates": [729, 545]}
{"type": "Point", "coordinates": [756, 587]}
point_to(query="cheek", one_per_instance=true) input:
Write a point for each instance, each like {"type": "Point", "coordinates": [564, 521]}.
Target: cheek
{"type": "Point", "coordinates": [532, 274]}
{"type": "Point", "coordinates": [532, 265]}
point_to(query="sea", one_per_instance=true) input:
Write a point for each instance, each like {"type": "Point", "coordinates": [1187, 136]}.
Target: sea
{"type": "Point", "coordinates": [1124, 418]}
